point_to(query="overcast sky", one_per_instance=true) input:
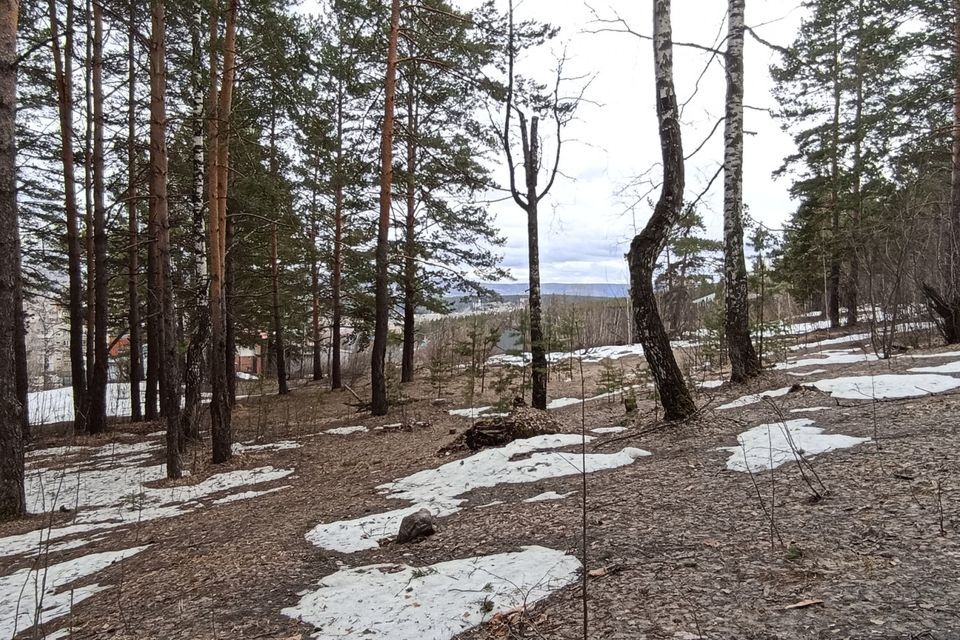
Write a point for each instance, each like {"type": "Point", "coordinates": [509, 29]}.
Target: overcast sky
{"type": "Point", "coordinates": [585, 226]}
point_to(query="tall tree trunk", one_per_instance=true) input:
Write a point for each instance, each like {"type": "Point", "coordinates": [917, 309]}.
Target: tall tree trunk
{"type": "Point", "coordinates": [169, 369]}
{"type": "Point", "coordinates": [199, 314]}
{"type": "Point", "coordinates": [337, 270]}
{"type": "Point", "coordinates": [378, 378]}
{"type": "Point", "coordinates": [410, 244]}
{"type": "Point", "coordinates": [539, 370]}
{"type": "Point", "coordinates": [278, 348]}
{"type": "Point", "coordinates": [88, 226]}
{"type": "Point", "coordinates": [63, 72]}
{"type": "Point", "coordinates": [646, 246]}
{"type": "Point", "coordinates": [97, 390]}
{"type": "Point", "coordinates": [229, 300]}
{"type": "Point", "coordinates": [947, 304]}
{"type": "Point", "coordinates": [219, 102]}
{"type": "Point", "coordinates": [133, 233]}
{"type": "Point", "coordinates": [315, 284]}
{"type": "Point", "coordinates": [853, 244]}
{"type": "Point", "coordinates": [744, 362]}
{"type": "Point", "coordinates": [833, 308]}
{"type": "Point", "coordinates": [20, 348]}
{"type": "Point", "coordinates": [12, 500]}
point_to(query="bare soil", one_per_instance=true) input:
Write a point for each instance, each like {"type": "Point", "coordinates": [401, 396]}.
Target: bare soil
{"type": "Point", "coordinates": [679, 547]}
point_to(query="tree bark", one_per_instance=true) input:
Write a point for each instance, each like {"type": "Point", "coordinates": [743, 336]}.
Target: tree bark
{"type": "Point", "coordinates": [833, 302]}
{"type": "Point", "coordinates": [88, 226]}
{"type": "Point", "coordinates": [410, 245]}
{"type": "Point", "coordinates": [219, 102]}
{"type": "Point", "coordinates": [538, 350]}
{"type": "Point", "coordinates": [230, 333]}
{"type": "Point", "coordinates": [336, 275]}
{"type": "Point", "coordinates": [12, 500]}
{"type": "Point", "coordinates": [63, 72]}
{"type": "Point", "coordinates": [378, 378]}
{"type": "Point", "coordinates": [646, 246]}
{"type": "Point", "coordinates": [853, 244]}
{"type": "Point", "coordinates": [947, 304]}
{"type": "Point", "coordinates": [169, 369]}
{"type": "Point", "coordinates": [744, 362]}
{"type": "Point", "coordinates": [315, 286]}
{"type": "Point", "coordinates": [97, 390]}
{"type": "Point", "coordinates": [282, 387]}
{"type": "Point", "coordinates": [199, 328]}
{"type": "Point", "coordinates": [133, 234]}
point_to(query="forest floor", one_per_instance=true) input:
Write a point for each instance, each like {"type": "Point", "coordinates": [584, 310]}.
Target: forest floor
{"type": "Point", "coordinates": [845, 538]}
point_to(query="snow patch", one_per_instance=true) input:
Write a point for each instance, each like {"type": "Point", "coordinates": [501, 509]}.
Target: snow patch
{"type": "Point", "coordinates": [440, 490]}
{"type": "Point", "coordinates": [109, 496]}
{"type": "Point", "coordinates": [754, 398]}
{"type": "Point", "coordinates": [768, 446]}
{"type": "Point", "coordinates": [801, 374]}
{"type": "Point", "coordinates": [608, 430]}
{"type": "Point", "coordinates": [829, 357]}
{"type": "Point", "coordinates": [439, 601]}
{"type": "Point", "coordinates": [808, 409]}
{"type": "Point", "coordinates": [345, 431]}
{"type": "Point", "coordinates": [469, 412]}
{"type": "Point", "coordinates": [887, 386]}
{"type": "Point", "coordinates": [280, 445]}
{"type": "Point", "coordinates": [950, 367]}
{"type": "Point", "coordinates": [549, 495]}
{"type": "Point", "coordinates": [31, 596]}
{"type": "Point", "coordinates": [942, 354]}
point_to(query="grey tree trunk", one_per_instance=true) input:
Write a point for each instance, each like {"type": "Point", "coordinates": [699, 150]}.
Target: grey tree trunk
{"type": "Point", "coordinates": [833, 298]}
{"type": "Point", "coordinates": [63, 72]}
{"type": "Point", "coordinates": [744, 362]}
{"type": "Point", "coordinates": [947, 304]}
{"type": "Point", "coordinates": [650, 242]}
{"type": "Point", "coordinates": [133, 231]}
{"type": "Point", "coordinates": [97, 390]}
{"type": "Point", "coordinates": [278, 347]}
{"type": "Point", "coordinates": [169, 369]}
{"type": "Point", "coordinates": [410, 245]}
{"type": "Point", "coordinates": [336, 272]}
{"type": "Point", "coordinates": [12, 501]}
{"type": "Point", "coordinates": [199, 327]}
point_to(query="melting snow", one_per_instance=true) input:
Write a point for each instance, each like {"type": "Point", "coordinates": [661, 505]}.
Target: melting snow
{"type": "Point", "coordinates": [246, 495]}
{"type": "Point", "coordinates": [844, 356]}
{"type": "Point", "coordinates": [19, 591]}
{"type": "Point", "coordinates": [280, 445]}
{"type": "Point", "coordinates": [469, 412]}
{"type": "Point", "coordinates": [768, 446]}
{"type": "Point", "coordinates": [589, 355]}
{"type": "Point", "coordinates": [559, 403]}
{"type": "Point", "coordinates": [808, 409]}
{"type": "Point", "coordinates": [887, 386]}
{"type": "Point", "coordinates": [549, 495]}
{"type": "Point", "coordinates": [754, 398]}
{"type": "Point", "coordinates": [710, 384]}
{"type": "Point", "coordinates": [345, 431]}
{"type": "Point", "coordinates": [950, 367]}
{"type": "Point", "coordinates": [107, 491]}
{"type": "Point", "coordinates": [801, 374]}
{"type": "Point", "coordinates": [854, 337]}
{"type": "Point", "coordinates": [942, 354]}
{"type": "Point", "coordinates": [389, 601]}
{"type": "Point", "coordinates": [608, 429]}
{"type": "Point", "coordinates": [441, 489]}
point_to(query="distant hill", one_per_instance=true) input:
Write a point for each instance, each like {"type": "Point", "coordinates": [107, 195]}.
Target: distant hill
{"type": "Point", "coordinates": [588, 290]}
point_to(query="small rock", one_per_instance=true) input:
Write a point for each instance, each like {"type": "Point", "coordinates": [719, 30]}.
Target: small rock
{"type": "Point", "coordinates": [416, 526]}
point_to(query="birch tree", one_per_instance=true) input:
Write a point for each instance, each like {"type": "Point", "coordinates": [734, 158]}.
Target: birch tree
{"type": "Point", "coordinates": [650, 242]}
{"type": "Point", "coordinates": [743, 358]}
